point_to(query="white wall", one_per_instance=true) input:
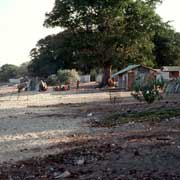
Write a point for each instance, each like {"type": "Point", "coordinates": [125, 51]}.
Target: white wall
{"type": "Point", "coordinates": [99, 78]}
{"type": "Point", "coordinates": [14, 81]}
{"type": "Point", "coordinates": [164, 75]}
{"type": "Point", "coordinates": [85, 78]}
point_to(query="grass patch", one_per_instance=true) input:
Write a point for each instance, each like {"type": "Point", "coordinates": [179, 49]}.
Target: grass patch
{"type": "Point", "coordinates": [143, 116]}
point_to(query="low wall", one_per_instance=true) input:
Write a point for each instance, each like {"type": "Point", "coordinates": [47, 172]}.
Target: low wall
{"type": "Point", "coordinates": [15, 81]}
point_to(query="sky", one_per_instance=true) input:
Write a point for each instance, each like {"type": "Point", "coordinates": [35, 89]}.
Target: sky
{"type": "Point", "coordinates": [169, 11]}
{"type": "Point", "coordinates": [21, 26]}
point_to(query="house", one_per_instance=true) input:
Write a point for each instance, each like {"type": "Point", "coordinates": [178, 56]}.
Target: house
{"type": "Point", "coordinates": [170, 72]}
{"type": "Point", "coordinates": [126, 77]}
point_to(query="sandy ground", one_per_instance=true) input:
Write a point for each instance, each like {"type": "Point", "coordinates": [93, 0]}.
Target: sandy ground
{"type": "Point", "coordinates": [31, 121]}
{"type": "Point", "coordinates": [52, 134]}
{"type": "Point", "coordinates": [25, 99]}
{"type": "Point", "coordinates": [147, 150]}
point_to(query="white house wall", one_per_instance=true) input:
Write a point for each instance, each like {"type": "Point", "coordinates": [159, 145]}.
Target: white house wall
{"type": "Point", "coordinates": [85, 78]}
{"type": "Point", "coordinates": [164, 75]}
{"type": "Point", "coordinates": [15, 81]}
{"type": "Point", "coordinates": [99, 78]}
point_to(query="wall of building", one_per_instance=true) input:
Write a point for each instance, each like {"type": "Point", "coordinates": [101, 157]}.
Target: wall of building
{"type": "Point", "coordinates": [85, 78]}
{"type": "Point", "coordinates": [164, 75]}
{"type": "Point", "coordinates": [174, 75]}
{"type": "Point", "coordinates": [99, 78]}
{"type": "Point", "coordinates": [15, 81]}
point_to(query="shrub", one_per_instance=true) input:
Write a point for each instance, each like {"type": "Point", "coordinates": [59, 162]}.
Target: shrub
{"type": "Point", "coordinates": [148, 90]}
{"type": "Point", "coordinates": [52, 80]}
{"type": "Point", "coordinates": [173, 86]}
{"type": "Point", "coordinates": [93, 74]}
{"type": "Point", "coordinates": [68, 76]}
{"type": "Point", "coordinates": [7, 72]}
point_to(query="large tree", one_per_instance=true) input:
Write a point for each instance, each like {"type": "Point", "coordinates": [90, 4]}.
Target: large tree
{"type": "Point", "coordinates": [23, 69]}
{"type": "Point", "coordinates": [167, 46]}
{"type": "Point", "coordinates": [50, 54]}
{"type": "Point", "coordinates": [8, 71]}
{"type": "Point", "coordinates": [108, 32]}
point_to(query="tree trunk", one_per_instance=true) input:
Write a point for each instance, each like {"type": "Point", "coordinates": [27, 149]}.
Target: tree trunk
{"type": "Point", "coordinates": [106, 74]}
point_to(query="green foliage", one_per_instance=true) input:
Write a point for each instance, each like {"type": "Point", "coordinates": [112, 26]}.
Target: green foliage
{"type": "Point", "coordinates": [52, 80]}
{"type": "Point", "coordinates": [52, 53]}
{"type": "Point", "coordinates": [93, 74]}
{"type": "Point", "coordinates": [118, 118]}
{"type": "Point", "coordinates": [97, 33]}
{"type": "Point", "coordinates": [7, 72]}
{"type": "Point", "coordinates": [23, 69]}
{"type": "Point", "coordinates": [148, 90]}
{"type": "Point", "coordinates": [68, 76]}
{"type": "Point", "coordinates": [172, 86]}
{"type": "Point", "coordinates": [104, 32]}
{"type": "Point", "coordinates": [167, 46]}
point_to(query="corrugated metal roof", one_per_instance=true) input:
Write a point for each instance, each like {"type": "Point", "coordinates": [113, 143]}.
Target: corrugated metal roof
{"type": "Point", "coordinates": [128, 68]}
{"type": "Point", "coordinates": [171, 68]}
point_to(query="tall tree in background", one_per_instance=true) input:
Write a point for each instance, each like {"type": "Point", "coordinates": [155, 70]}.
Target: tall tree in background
{"type": "Point", "coordinates": [51, 53]}
{"type": "Point", "coordinates": [23, 69]}
{"type": "Point", "coordinates": [107, 32]}
{"type": "Point", "coordinates": [8, 71]}
{"type": "Point", "coordinates": [167, 46]}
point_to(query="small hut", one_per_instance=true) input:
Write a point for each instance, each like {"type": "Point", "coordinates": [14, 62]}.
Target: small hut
{"type": "Point", "coordinates": [125, 78]}
{"type": "Point", "coordinates": [170, 72]}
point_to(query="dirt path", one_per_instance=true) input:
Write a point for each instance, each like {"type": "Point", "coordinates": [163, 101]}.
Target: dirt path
{"type": "Point", "coordinates": [117, 155]}
{"type": "Point", "coordinates": [35, 128]}
{"type": "Point", "coordinates": [33, 121]}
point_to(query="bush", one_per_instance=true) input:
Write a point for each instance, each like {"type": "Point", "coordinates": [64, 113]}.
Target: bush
{"type": "Point", "coordinates": [173, 86]}
{"type": "Point", "coordinates": [93, 74]}
{"type": "Point", "coordinates": [52, 80]}
{"type": "Point", "coordinates": [148, 90]}
{"type": "Point", "coordinates": [7, 72]}
{"type": "Point", "coordinates": [68, 76]}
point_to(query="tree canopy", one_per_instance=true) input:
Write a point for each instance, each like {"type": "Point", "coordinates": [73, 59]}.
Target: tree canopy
{"type": "Point", "coordinates": [8, 71]}
{"type": "Point", "coordinates": [108, 31]}
{"type": "Point", "coordinates": [52, 53]}
{"type": "Point", "coordinates": [167, 47]}
{"type": "Point", "coordinates": [103, 33]}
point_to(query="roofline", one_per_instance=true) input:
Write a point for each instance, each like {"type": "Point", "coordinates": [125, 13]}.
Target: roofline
{"type": "Point", "coordinates": [150, 68]}
{"type": "Point", "coordinates": [116, 74]}
{"type": "Point", "coordinates": [168, 69]}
